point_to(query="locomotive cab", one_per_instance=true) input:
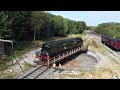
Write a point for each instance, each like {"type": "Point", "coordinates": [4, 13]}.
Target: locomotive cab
{"type": "Point", "coordinates": [44, 52]}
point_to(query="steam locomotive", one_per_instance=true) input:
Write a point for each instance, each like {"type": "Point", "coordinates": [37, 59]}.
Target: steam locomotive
{"type": "Point", "coordinates": [54, 48]}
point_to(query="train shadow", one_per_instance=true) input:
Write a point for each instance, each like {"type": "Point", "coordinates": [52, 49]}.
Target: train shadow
{"type": "Point", "coordinates": [66, 60]}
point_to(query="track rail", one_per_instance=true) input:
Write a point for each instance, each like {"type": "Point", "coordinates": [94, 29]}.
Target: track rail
{"type": "Point", "coordinates": [36, 73]}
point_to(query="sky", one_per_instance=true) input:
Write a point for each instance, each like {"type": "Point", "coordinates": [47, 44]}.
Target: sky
{"type": "Point", "coordinates": [92, 18]}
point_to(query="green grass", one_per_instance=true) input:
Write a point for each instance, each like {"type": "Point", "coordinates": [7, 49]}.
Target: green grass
{"type": "Point", "coordinates": [25, 47]}
{"type": "Point", "coordinates": [10, 57]}
{"type": "Point", "coordinates": [2, 66]}
{"type": "Point", "coordinates": [8, 75]}
{"type": "Point", "coordinates": [66, 75]}
{"type": "Point", "coordinates": [95, 46]}
{"type": "Point", "coordinates": [28, 65]}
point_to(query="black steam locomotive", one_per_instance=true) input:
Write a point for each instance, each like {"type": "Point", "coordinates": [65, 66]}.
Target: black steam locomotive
{"type": "Point", "coordinates": [54, 48]}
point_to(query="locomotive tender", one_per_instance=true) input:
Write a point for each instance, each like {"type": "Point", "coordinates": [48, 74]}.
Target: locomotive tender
{"type": "Point", "coordinates": [54, 48]}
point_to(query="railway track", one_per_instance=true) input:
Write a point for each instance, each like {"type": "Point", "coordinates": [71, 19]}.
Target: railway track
{"type": "Point", "coordinates": [34, 74]}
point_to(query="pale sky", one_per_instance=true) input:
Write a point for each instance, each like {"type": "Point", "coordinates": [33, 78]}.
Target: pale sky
{"type": "Point", "coordinates": [92, 18]}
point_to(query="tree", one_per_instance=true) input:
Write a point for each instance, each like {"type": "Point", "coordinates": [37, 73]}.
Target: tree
{"type": "Point", "coordinates": [37, 22]}
{"type": "Point", "coordinates": [5, 25]}
{"type": "Point", "coordinates": [110, 29]}
{"type": "Point", "coordinates": [21, 23]}
{"type": "Point", "coordinates": [81, 26]}
{"type": "Point", "coordinates": [14, 22]}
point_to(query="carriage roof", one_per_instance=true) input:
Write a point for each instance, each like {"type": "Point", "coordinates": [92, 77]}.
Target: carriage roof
{"type": "Point", "coordinates": [110, 38]}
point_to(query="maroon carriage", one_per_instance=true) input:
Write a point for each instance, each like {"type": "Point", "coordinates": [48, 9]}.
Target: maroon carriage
{"type": "Point", "coordinates": [112, 42]}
